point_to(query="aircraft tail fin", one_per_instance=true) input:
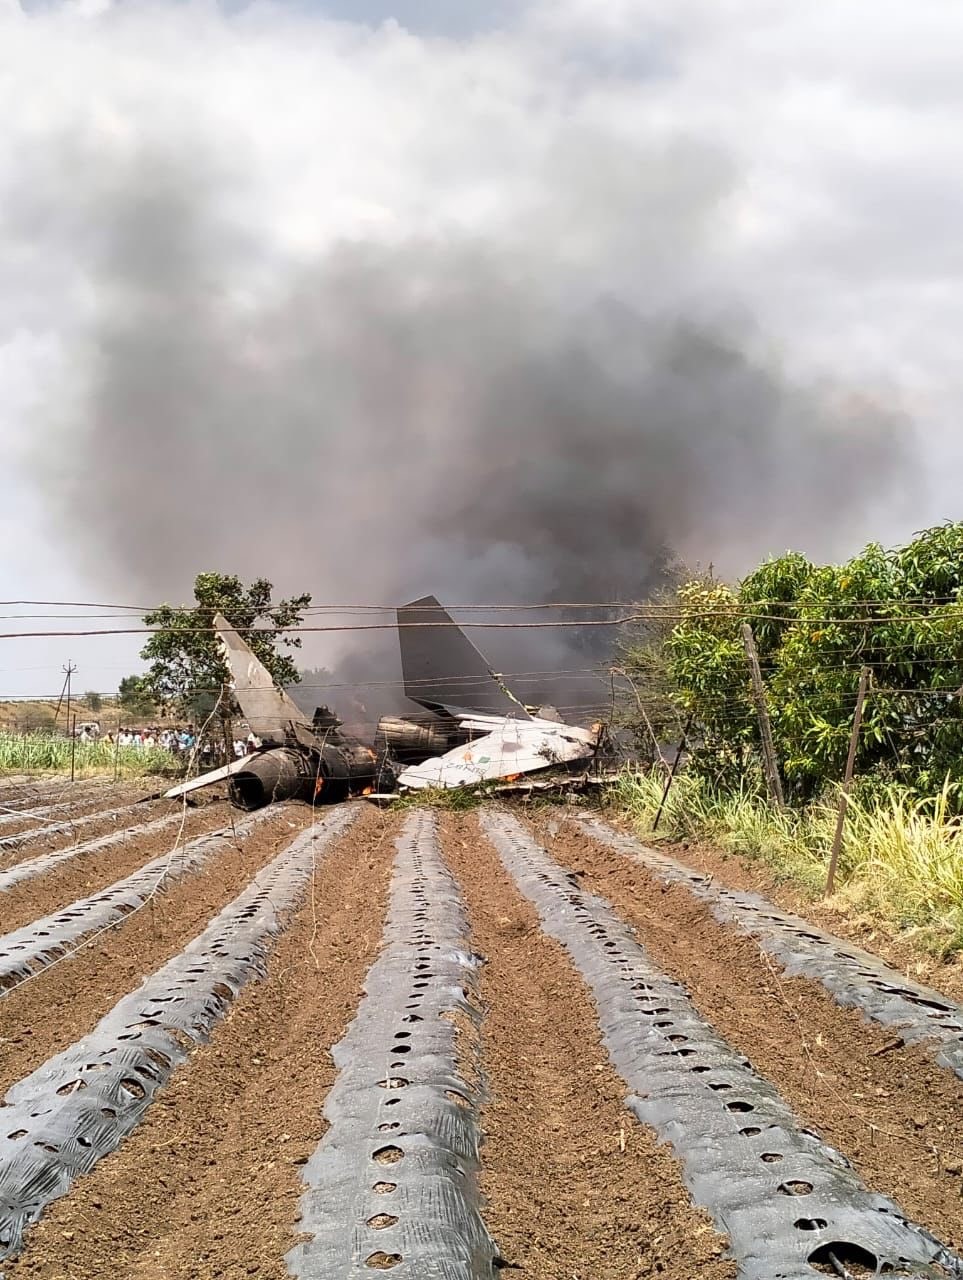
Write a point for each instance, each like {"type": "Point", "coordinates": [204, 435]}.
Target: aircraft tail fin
{"type": "Point", "coordinates": [442, 669]}
{"type": "Point", "coordinates": [267, 709]}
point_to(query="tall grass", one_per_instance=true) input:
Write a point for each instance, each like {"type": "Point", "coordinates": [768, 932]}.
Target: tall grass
{"type": "Point", "coordinates": [40, 753]}
{"type": "Point", "coordinates": [901, 858]}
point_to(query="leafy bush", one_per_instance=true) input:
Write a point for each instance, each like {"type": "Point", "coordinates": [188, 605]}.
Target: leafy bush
{"type": "Point", "coordinates": [900, 613]}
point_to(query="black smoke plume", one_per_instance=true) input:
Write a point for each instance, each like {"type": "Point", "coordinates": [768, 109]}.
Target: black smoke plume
{"type": "Point", "coordinates": [438, 414]}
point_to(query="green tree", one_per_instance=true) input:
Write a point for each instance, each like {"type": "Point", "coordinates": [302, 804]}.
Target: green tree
{"type": "Point", "coordinates": [646, 702]}
{"type": "Point", "coordinates": [898, 612]}
{"type": "Point", "coordinates": [134, 699]}
{"type": "Point", "coordinates": [187, 668]}
{"type": "Point", "coordinates": [93, 700]}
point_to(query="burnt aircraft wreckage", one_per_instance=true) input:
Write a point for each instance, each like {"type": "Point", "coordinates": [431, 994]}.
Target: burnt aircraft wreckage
{"type": "Point", "coordinates": [477, 730]}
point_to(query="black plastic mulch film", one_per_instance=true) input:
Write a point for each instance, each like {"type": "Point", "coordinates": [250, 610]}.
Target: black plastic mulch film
{"type": "Point", "coordinates": [44, 862]}
{"type": "Point", "coordinates": [60, 1120]}
{"type": "Point", "coordinates": [853, 977]}
{"type": "Point", "coordinates": [32, 813]}
{"type": "Point", "coordinates": [68, 824]}
{"type": "Point", "coordinates": [41, 943]}
{"type": "Point", "coordinates": [793, 1207]}
{"type": "Point", "coordinates": [393, 1184]}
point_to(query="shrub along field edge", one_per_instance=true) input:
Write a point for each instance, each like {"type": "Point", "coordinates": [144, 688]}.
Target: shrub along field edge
{"type": "Point", "coordinates": [901, 860]}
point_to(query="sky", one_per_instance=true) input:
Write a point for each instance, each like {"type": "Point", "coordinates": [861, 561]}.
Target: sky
{"type": "Point", "coordinates": [381, 298]}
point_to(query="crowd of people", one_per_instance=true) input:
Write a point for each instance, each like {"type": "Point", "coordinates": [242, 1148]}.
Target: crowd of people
{"type": "Point", "coordinates": [206, 751]}
{"type": "Point", "coordinates": [177, 741]}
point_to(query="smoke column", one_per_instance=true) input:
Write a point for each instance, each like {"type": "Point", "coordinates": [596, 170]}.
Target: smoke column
{"type": "Point", "coordinates": [539, 402]}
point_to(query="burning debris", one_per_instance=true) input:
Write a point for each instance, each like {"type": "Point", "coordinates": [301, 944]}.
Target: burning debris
{"type": "Point", "coordinates": [478, 731]}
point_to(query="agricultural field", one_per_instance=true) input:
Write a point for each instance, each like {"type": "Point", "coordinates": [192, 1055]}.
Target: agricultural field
{"type": "Point", "coordinates": [444, 1043]}
{"type": "Point", "coordinates": [37, 754]}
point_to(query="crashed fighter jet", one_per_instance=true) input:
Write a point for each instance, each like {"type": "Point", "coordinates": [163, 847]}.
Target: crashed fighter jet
{"type": "Point", "coordinates": [488, 732]}
{"type": "Point", "coordinates": [477, 731]}
{"type": "Point", "coordinates": [299, 759]}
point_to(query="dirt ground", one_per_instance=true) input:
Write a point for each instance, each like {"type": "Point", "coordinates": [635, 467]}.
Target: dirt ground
{"type": "Point", "coordinates": [224, 1144]}
{"type": "Point", "coordinates": [60, 1003]}
{"type": "Point", "coordinates": [88, 873]}
{"type": "Point", "coordinates": [75, 832]}
{"type": "Point", "coordinates": [750, 875]}
{"type": "Point", "coordinates": [561, 1151]}
{"type": "Point", "coordinates": [207, 1187]}
{"type": "Point", "coordinates": [889, 1108]}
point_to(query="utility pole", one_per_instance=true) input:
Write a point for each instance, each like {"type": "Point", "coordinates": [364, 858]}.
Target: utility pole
{"type": "Point", "coordinates": [847, 780]}
{"type": "Point", "coordinates": [770, 767]}
{"type": "Point", "coordinates": [69, 668]}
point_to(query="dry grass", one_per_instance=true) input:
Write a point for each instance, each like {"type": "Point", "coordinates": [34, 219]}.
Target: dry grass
{"type": "Point", "coordinates": [901, 860]}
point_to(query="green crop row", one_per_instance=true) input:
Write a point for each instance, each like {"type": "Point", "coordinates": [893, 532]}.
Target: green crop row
{"type": "Point", "coordinates": [41, 753]}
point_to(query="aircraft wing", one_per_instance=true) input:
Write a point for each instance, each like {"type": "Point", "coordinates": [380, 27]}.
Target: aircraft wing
{"type": "Point", "coordinates": [442, 669]}
{"type": "Point", "coordinates": [266, 708]}
{"type": "Point", "coordinates": [511, 747]}
{"type": "Point", "coordinates": [205, 779]}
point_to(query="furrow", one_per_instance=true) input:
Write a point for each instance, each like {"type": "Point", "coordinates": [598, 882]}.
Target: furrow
{"type": "Point", "coordinates": [792, 1206]}
{"type": "Point", "coordinates": [27, 814]}
{"type": "Point", "coordinates": [393, 1184]}
{"type": "Point", "coordinates": [68, 824]}
{"type": "Point", "coordinates": [82, 791]}
{"type": "Point", "coordinates": [45, 862]}
{"type": "Point", "coordinates": [26, 951]}
{"type": "Point", "coordinates": [855, 978]}
{"type": "Point", "coordinates": [64, 1117]}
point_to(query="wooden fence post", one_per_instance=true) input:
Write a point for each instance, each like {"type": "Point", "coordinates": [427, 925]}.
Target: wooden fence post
{"type": "Point", "coordinates": [671, 778]}
{"type": "Point", "coordinates": [770, 767]}
{"type": "Point", "coordinates": [847, 780]}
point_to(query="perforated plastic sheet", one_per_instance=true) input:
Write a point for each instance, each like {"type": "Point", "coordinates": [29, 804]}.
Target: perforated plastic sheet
{"type": "Point", "coordinates": [68, 824]}
{"type": "Point", "coordinates": [45, 862]}
{"type": "Point", "coordinates": [784, 1197]}
{"type": "Point", "coordinates": [854, 978]}
{"type": "Point", "coordinates": [36, 945]}
{"type": "Point", "coordinates": [393, 1184]}
{"type": "Point", "coordinates": [27, 812]}
{"type": "Point", "coordinates": [69, 1113]}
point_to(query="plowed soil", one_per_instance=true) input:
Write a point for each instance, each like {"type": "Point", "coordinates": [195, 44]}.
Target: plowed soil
{"type": "Point", "coordinates": [35, 819]}
{"type": "Point", "coordinates": [208, 1185]}
{"type": "Point", "coordinates": [889, 1108]}
{"type": "Point", "coordinates": [55, 1007]}
{"type": "Point", "coordinates": [37, 791]}
{"type": "Point", "coordinates": [89, 872]}
{"type": "Point", "coordinates": [750, 875]}
{"type": "Point", "coordinates": [222, 1148]}
{"type": "Point", "coordinates": [76, 831]}
{"type": "Point", "coordinates": [35, 810]}
{"type": "Point", "coordinates": [575, 1187]}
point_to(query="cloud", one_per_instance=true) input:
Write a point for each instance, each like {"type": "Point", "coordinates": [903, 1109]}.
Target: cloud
{"type": "Point", "coordinates": [499, 311]}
